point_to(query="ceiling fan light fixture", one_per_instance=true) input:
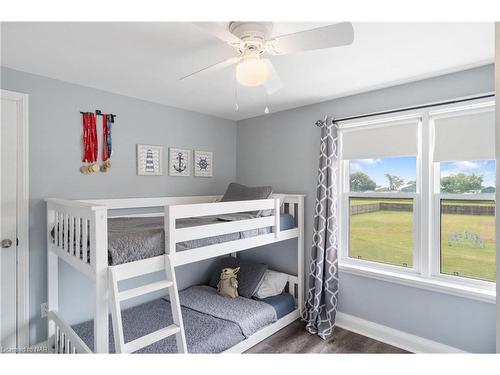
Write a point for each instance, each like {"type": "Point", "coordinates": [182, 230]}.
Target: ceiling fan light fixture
{"type": "Point", "coordinates": [252, 71]}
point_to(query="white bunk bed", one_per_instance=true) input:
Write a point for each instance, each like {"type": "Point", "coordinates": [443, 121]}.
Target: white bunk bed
{"type": "Point", "coordinates": [87, 220]}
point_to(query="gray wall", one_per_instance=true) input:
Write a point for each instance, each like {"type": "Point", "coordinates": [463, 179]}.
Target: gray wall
{"type": "Point", "coordinates": [281, 150]}
{"type": "Point", "coordinates": [55, 159]}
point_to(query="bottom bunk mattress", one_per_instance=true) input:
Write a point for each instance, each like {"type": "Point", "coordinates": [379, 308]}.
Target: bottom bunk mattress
{"type": "Point", "coordinates": [211, 325]}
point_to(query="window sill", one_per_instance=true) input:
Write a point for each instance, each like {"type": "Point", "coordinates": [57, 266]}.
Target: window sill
{"type": "Point", "coordinates": [439, 286]}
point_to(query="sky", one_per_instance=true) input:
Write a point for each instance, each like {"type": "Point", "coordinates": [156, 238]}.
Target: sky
{"type": "Point", "coordinates": [406, 168]}
{"type": "Point", "coordinates": [486, 168]}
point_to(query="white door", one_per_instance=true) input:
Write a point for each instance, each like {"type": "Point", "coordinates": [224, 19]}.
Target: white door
{"type": "Point", "coordinates": [8, 224]}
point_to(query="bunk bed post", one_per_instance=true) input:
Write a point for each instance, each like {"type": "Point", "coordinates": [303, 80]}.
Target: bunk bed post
{"type": "Point", "coordinates": [277, 215]}
{"type": "Point", "coordinates": [99, 258]}
{"type": "Point", "coordinates": [300, 252]}
{"type": "Point", "coordinates": [52, 277]}
{"type": "Point", "coordinates": [168, 229]}
{"type": "Point", "coordinates": [173, 292]}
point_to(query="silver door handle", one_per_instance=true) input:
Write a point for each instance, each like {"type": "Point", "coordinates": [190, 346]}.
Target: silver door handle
{"type": "Point", "coordinates": [6, 244]}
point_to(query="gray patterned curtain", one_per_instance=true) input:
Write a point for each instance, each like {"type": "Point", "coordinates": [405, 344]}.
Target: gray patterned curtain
{"type": "Point", "coordinates": [322, 288]}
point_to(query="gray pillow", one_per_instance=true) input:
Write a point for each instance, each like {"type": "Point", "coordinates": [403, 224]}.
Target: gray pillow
{"type": "Point", "coordinates": [250, 275]}
{"type": "Point", "coordinates": [238, 192]}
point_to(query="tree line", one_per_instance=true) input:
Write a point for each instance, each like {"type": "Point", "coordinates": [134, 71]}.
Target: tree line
{"type": "Point", "coordinates": [454, 184]}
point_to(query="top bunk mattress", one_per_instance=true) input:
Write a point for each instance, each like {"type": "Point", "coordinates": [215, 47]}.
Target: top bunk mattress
{"type": "Point", "coordinates": [132, 239]}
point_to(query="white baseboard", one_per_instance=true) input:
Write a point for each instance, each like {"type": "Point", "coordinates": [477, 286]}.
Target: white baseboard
{"type": "Point", "coordinates": [391, 336]}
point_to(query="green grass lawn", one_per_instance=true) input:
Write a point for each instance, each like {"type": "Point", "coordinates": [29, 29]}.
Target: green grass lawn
{"type": "Point", "coordinates": [383, 236]}
{"type": "Point", "coordinates": [386, 236]}
{"type": "Point", "coordinates": [469, 260]}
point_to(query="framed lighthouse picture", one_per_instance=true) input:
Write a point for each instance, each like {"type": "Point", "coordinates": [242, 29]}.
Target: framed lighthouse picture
{"type": "Point", "coordinates": [179, 162]}
{"type": "Point", "coordinates": [149, 160]}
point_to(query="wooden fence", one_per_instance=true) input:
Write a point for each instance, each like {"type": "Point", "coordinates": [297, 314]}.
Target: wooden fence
{"type": "Point", "coordinates": [455, 209]}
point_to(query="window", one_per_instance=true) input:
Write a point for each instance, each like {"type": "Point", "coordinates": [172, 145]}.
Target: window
{"type": "Point", "coordinates": [381, 192]}
{"type": "Point", "coordinates": [465, 169]}
{"type": "Point", "coordinates": [393, 224]}
{"type": "Point", "coordinates": [381, 226]}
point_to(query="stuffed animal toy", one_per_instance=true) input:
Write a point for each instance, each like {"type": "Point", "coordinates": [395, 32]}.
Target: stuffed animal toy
{"type": "Point", "coordinates": [228, 285]}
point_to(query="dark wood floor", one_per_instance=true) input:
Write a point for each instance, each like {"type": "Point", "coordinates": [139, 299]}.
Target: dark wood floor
{"type": "Point", "coordinates": [295, 339]}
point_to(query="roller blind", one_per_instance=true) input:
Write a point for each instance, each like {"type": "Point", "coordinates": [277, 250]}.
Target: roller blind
{"type": "Point", "coordinates": [381, 140]}
{"type": "Point", "coordinates": [465, 136]}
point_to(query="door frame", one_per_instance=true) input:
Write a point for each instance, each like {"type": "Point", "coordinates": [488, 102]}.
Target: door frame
{"type": "Point", "coordinates": [22, 216]}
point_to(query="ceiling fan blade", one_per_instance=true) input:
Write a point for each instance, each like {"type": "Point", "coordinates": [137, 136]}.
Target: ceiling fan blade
{"type": "Point", "coordinates": [214, 67]}
{"type": "Point", "coordinates": [220, 31]}
{"type": "Point", "coordinates": [340, 34]}
{"type": "Point", "coordinates": [273, 82]}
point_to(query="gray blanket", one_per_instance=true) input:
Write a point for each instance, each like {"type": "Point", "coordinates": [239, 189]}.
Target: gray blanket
{"type": "Point", "coordinates": [131, 239]}
{"type": "Point", "coordinates": [204, 333]}
{"type": "Point", "coordinates": [250, 315]}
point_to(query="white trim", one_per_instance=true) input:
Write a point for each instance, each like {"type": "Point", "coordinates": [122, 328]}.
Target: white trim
{"type": "Point", "coordinates": [435, 284]}
{"type": "Point", "coordinates": [391, 336]}
{"type": "Point", "coordinates": [22, 215]}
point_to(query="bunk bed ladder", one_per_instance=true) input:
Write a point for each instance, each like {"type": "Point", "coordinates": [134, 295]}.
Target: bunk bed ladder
{"type": "Point", "coordinates": [177, 328]}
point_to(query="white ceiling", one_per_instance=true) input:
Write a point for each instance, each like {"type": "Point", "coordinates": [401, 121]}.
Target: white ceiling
{"type": "Point", "coordinates": [145, 60]}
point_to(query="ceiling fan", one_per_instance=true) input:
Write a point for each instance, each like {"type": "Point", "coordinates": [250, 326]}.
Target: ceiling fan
{"type": "Point", "coordinates": [252, 41]}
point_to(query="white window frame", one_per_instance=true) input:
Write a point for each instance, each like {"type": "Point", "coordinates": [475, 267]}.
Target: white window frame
{"type": "Point", "coordinates": [481, 106]}
{"type": "Point", "coordinates": [426, 272]}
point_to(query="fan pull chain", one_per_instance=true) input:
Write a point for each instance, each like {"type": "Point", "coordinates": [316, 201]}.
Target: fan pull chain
{"type": "Point", "coordinates": [236, 106]}
{"type": "Point", "coordinates": [266, 110]}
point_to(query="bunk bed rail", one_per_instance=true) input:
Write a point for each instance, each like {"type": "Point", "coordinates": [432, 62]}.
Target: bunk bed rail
{"type": "Point", "coordinates": [174, 235]}
{"type": "Point", "coordinates": [72, 231]}
{"type": "Point", "coordinates": [65, 340]}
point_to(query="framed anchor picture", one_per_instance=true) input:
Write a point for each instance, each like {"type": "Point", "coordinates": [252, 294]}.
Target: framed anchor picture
{"type": "Point", "coordinates": [179, 162]}
{"type": "Point", "coordinates": [203, 163]}
{"type": "Point", "coordinates": [149, 160]}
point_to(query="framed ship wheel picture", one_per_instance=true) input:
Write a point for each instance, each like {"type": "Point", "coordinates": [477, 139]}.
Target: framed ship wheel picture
{"type": "Point", "coordinates": [203, 163]}
{"type": "Point", "coordinates": [149, 160]}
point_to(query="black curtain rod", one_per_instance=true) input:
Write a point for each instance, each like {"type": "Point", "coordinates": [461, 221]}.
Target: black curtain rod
{"type": "Point", "coordinates": [319, 122]}
{"type": "Point", "coordinates": [98, 112]}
